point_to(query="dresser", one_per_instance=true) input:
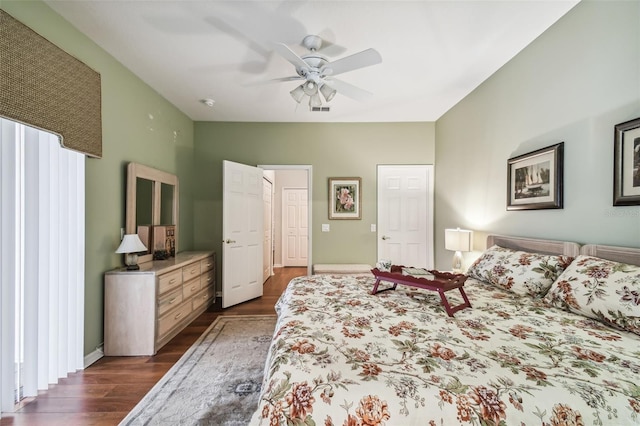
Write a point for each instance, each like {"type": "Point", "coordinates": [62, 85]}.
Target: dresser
{"type": "Point", "coordinates": [144, 309]}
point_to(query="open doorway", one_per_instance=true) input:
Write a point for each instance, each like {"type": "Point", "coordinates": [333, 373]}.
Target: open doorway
{"type": "Point", "coordinates": [295, 225]}
{"type": "Point", "coordinates": [287, 177]}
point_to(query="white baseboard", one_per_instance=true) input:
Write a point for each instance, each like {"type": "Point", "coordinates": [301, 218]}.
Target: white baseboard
{"type": "Point", "coordinates": [277, 265]}
{"type": "Point", "coordinates": [93, 356]}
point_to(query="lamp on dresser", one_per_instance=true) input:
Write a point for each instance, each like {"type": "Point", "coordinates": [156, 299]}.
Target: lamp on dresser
{"type": "Point", "coordinates": [458, 240]}
{"type": "Point", "coordinates": [131, 246]}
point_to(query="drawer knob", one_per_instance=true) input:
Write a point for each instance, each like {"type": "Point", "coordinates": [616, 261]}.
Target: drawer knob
{"type": "Point", "coordinates": [173, 280]}
{"type": "Point", "coordinates": [172, 300]}
{"type": "Point", "coordinates": [193, 288]}
{"type": "Point", "coordinates": [178, 315]}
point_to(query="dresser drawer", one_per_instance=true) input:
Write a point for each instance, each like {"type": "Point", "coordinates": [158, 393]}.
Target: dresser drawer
{"type": "Point", "coordinates": [169, 301]}
{"type": "Point", "coordinates": [190, 288]}
{"type": "Point", "coordinates": [203, 297]}
{"type": "Point", "coordinates": [207, 264]}
{"type": "Point", "coordinates": [169, 281]}
{"type": "Point", "coordinates": [208, 279]}
{"type": "Point", "coordinates": [173, 318]}
{"type": "Point", "coordinates": [191, 271]}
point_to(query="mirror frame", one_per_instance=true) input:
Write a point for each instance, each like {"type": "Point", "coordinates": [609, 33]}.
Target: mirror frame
{"type": "Point", "coordinates": [158, 177]}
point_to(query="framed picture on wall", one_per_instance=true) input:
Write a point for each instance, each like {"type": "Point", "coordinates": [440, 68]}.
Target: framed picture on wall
{"type": "Point", "coordinates": [535, 180]}
{"type": "Point", "coordinates": [626, 164]}
{"type": "Point", "coordinates": [345, 197]}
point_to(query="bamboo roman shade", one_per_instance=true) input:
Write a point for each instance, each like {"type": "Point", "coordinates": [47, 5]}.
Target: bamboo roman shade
{"type": "Point", "coordinates": [43, 86]}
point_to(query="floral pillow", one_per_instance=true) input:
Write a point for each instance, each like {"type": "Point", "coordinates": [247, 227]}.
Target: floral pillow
{"type": "Point", "coordinates": [600, 289]}
{"type": "Point", "coordinates": [520, 272]}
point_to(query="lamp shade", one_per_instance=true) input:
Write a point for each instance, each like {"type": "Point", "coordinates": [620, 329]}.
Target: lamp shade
{"type": "Point", "coordinates": [458, 239]}
{"type": "Point", "coordinates": [310, 88]}
{"type": "Point", "coordinates": [315, 101]}
{"type": "Point", "coordinates": [131, 244]}
{"type": "Point", "coordinates": [327, 92]}
{"type": "Point", "coordinates": [298, 93]}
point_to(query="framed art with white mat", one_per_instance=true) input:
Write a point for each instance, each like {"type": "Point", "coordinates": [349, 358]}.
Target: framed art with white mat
{"type": "Point", "coordinates": [535, 180]}
{"type": "Point", "coordinates": [626, 164]}
{"type": "Point", "coordinates": [345, 197]}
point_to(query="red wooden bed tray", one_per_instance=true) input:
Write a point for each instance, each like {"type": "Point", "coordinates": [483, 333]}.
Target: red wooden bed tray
{"type": "Point", "coordinates": [442, 282]}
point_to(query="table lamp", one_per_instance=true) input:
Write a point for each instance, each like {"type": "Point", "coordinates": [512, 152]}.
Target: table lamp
{"type": "Point", "coordinates": [131, 246]}
{"type": "Point", "coordinates": [458, 240]}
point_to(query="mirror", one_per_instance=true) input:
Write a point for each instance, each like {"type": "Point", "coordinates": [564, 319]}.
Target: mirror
{"type": "Point", "coordinates": [152, 199]}
{"type": "Point", "coordinates": [166, 204]}
{"type": "Point", "coordinates": [144, 202]}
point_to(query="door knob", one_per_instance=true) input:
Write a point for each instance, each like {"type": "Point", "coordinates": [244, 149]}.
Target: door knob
{"type": "Point", "coordinates": [384, 237]}
{"type": "Point", "coordinates": [228, 241]}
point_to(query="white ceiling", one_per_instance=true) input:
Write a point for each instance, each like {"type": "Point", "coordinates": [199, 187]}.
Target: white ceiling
{"type": "Point", "coordinates": [433, 52]}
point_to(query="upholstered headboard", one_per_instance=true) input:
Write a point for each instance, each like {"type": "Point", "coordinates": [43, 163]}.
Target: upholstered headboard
{"type": "Point", "coordinates": [534, 245]}
{"type": "Point", "coordinates": [628, 255]}
{"type": "Point", "coordinates": [617, 254]}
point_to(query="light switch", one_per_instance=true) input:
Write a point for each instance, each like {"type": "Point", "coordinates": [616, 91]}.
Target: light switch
{"type": "Point", "coordinates": [325, 227]}
{"type": "Point", "coordinates": [373, 227]}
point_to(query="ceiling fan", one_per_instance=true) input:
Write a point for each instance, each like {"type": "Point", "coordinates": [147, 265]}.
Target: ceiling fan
{"type": "Point", "coordinates": [317, 72]}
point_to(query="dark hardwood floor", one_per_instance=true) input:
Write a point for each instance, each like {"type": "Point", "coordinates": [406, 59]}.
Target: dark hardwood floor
{"type": "Point", "coordinates": [106, 391]}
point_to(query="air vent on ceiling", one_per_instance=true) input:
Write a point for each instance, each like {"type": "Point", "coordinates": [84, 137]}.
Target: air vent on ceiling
{"type": "Point", "coordinates": [321, 109]}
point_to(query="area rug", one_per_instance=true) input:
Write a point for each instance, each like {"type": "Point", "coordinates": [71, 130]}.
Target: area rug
{"type": "Point", "coordinates": [216, 382]}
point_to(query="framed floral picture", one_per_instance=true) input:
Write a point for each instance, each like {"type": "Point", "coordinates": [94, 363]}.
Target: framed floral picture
{"type": "Point", "coordinates": [626, 164]}
{"type": "Point", "coordinates": [345, 198]}
{"type": "Point", "coordinates": [535, 180]}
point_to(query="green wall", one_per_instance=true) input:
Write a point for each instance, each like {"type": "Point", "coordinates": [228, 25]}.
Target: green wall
{"type": "Point", "coordinates": [334, 150]}
{"type": "Point", "coordinates": [137, 125]}
{"type": "Point", "coordinates": [572, 84]}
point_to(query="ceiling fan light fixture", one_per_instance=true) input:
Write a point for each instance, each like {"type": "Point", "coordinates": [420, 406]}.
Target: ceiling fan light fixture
{"type": "Point", "coordinates": [328, 92]}
{"type": "Point", "coordinates": [315, 101]}
{"type": "Point", "coordinates": [298, 93]}
{"type": "Point", "coordinates": [314, 67]}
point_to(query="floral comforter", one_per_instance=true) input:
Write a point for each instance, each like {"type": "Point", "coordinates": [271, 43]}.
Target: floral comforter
{"type": "Point", "coordinates": [341, 356]}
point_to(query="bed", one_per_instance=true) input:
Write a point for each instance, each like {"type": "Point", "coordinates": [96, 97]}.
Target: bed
{"type": "Point", "coordinates": [552, 338]}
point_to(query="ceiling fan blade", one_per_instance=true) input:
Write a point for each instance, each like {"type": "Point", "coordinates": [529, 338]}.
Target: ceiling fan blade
{"type": "Point", "coordinates": [357, 60]}
{"type": "Point", "coordinates": [329, 46]}
{"type": "Point", "coordinates": [347, 89]}
{"type": "Point", "coordinates": [331, 49]}
{"type": "Point", "coordinates": [275, 80]}
{"type": "Point", "coordinates": [255, 25]}
{"type": "Point", "coordinates": [290, 78]}
{"type": "Point", "coordinates": [290, 55]}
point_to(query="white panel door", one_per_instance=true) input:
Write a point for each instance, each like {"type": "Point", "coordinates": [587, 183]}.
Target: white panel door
{"type": "Point", "coordinates": [242, 233]}
{"type": "Point", "coordinates": [267, 248]}
{"type": "Point", "coordinates": [295, 227]}
{"type": "Point", "coordinates": [405, 215]}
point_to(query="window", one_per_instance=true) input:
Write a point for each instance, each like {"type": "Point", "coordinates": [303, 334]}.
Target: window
{"type": "Point", "coordinates": [41, 261]}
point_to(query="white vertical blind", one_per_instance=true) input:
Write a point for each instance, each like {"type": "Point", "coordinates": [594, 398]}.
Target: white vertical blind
{"type": "Point", "coordinates": [9, 160]}
{"type": "Point", "coordinates": [30, 211]}
{"type": "Point", "coordinates": [53, 271]}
